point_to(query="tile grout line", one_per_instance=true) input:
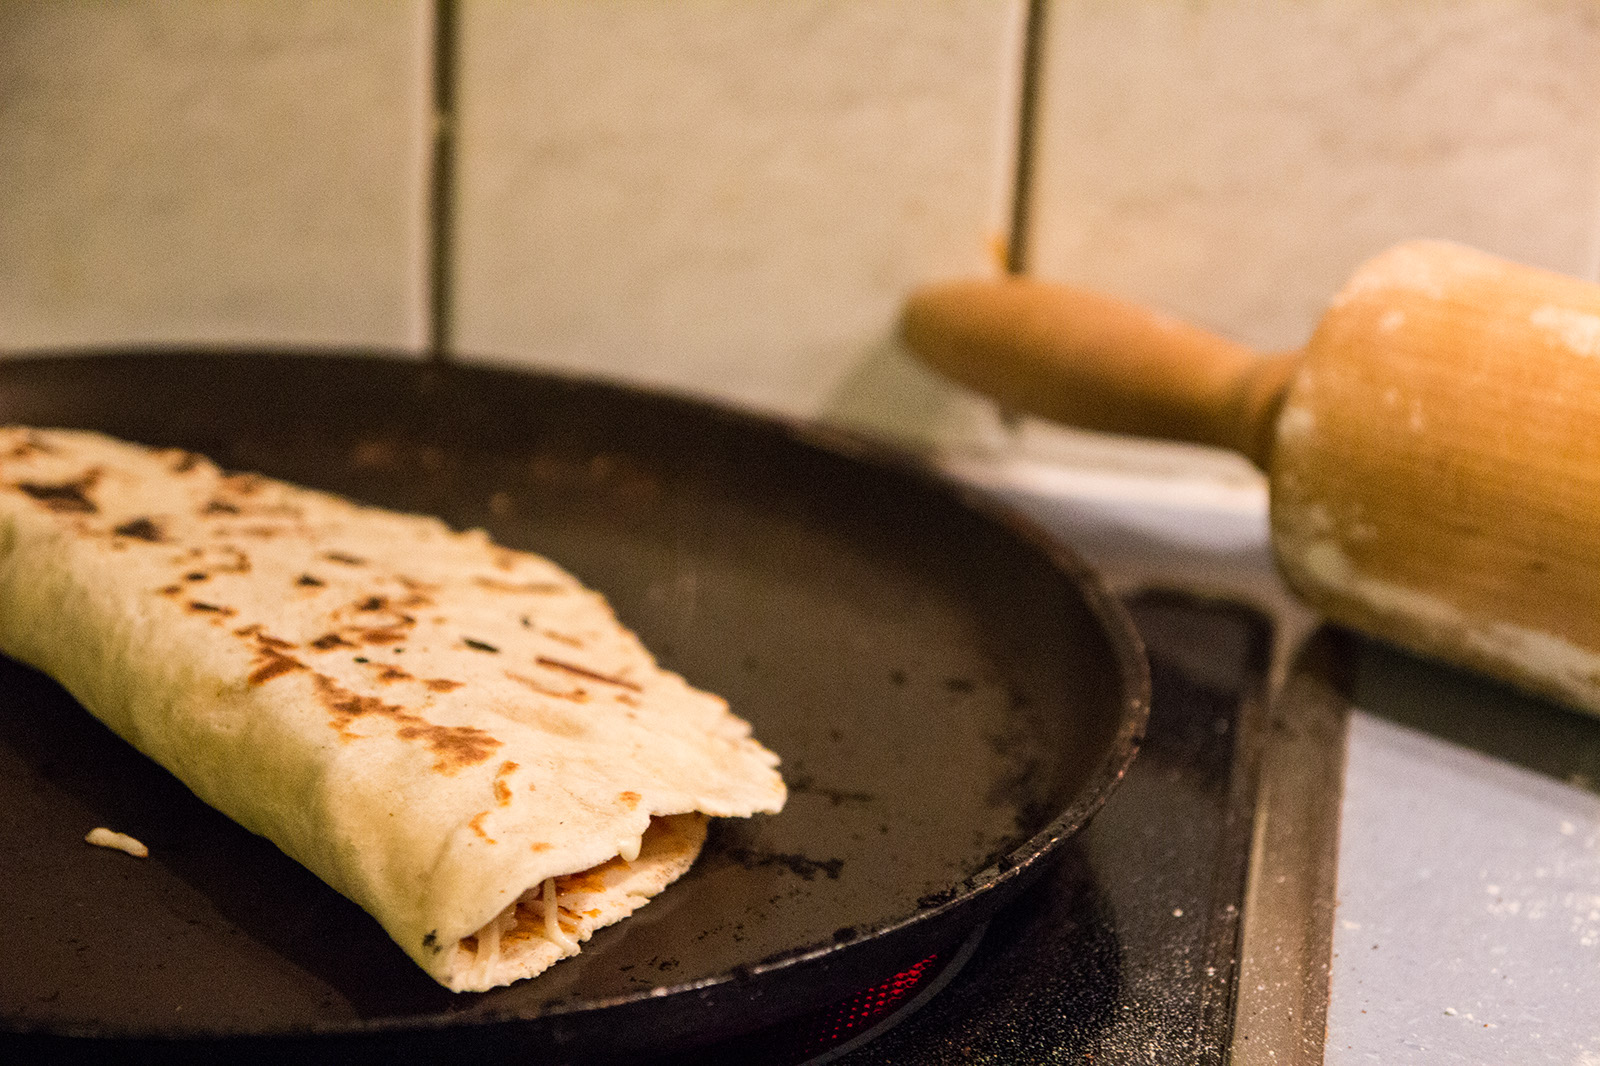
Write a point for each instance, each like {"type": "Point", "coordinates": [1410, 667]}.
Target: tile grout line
{"type": "Point", "coordinates": [441, 192]}
{"type": "Point", "coordinates": [1017, 246]}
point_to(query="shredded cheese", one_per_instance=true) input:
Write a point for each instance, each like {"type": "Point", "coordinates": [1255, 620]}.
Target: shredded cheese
{"type": "Point", "coordinates": [489, 940]}
{"type": "Point", "coordinates": [487, 953]}
{"type": "Point", "coordinates": [552, 919]}
{"type": "Point", "coordinates": [106, 838]}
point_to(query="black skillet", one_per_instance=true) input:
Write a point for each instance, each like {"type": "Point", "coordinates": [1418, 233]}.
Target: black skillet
{"type": "Point", "coordinates": [952, 694]}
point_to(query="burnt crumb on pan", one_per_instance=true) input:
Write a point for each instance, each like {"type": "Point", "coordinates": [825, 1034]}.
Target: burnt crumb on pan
{"type": "Point", "coordinates": [836, 797]}
{"type": "Point", "coordinates": [802, 867]}
{"type": "Point", "coordinates": [1016, 697]}
{"type": "Point", "coordinates": [478, 645]}
{"type": "Point", "coordinates": [431, 458]}
{"type": "Point", "coordinates": [376, 454]}
{"type": "Point", "coordinates": [141, 528]}
{"type": "Point", "coordinates": [67, 497]}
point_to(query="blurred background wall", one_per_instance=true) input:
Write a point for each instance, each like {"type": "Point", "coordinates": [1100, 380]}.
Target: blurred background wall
{"type": "Point", "coordinates": [732, 198]}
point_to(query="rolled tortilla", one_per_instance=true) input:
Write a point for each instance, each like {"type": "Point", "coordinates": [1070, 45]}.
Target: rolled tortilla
{"type": "Point", "coordinates": [457, 736]}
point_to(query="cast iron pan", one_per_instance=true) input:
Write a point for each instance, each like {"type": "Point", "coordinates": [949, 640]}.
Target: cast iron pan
{"type": "Point", "coordinates": [952, 694]}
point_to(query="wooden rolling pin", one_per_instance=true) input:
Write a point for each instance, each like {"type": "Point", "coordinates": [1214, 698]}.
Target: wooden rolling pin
{"type": "Point", "coordinates": [1433, 454]}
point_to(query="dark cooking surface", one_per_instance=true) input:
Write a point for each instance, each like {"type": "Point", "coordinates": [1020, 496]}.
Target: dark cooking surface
{"type": "Point", "coordinates": [1125, 951]}
{"type": "Point", "coordinates": [940, 686]}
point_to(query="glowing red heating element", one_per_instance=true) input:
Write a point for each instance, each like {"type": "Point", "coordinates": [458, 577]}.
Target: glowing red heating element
{"type": "Point", "coordinates": [865, 1009]}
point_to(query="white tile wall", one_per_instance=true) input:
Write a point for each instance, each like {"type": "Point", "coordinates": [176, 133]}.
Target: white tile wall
{"type": "Point", "coordinates": [732, 198]}
{"type": "Point", "coordinates": [729, 197]}
{"type": "Point", "coordinates": [1233, 160]}
{"type": "Point", "coordinates": [242, 172]}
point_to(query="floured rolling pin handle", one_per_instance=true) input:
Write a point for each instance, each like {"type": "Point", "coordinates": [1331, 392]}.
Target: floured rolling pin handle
{"type": "Point", "coordinates": [1093, 361]}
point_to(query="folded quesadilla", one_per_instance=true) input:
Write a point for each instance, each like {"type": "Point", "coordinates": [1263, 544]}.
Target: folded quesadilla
{"type": "Point", "coordinates": [457, 736]}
